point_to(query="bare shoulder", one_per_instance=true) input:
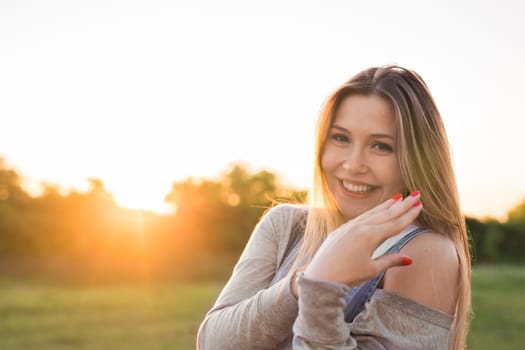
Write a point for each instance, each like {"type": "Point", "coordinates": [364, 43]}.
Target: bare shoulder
{"type": "Point", "coordinates": [433, 277]}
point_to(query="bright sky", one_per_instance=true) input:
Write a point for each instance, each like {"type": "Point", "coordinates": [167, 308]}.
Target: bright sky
{"type": "Point", "coordinates": [144, 93]}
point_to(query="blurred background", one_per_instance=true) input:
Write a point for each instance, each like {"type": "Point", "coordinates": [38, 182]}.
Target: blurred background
{"type": "Point", "coordinates": [141, 141]}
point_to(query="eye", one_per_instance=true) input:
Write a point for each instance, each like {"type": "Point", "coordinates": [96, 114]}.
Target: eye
{"type": "Point", "coordinates": [338, 137]}
{"type": "Point", "coordinates": [382, 147]}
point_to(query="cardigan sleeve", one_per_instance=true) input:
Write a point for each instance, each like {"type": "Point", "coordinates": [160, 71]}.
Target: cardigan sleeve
{"type": "Point", "coordinates": [389, 321]}
{"type": "Point", "coordinates": [249, 313]}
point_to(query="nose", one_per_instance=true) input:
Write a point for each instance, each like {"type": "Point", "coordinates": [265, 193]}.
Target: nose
{"type": "Point", "coordinates": [355, 161]}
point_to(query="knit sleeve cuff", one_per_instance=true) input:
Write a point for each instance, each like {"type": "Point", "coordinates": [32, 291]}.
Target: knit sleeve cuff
{"type": "Point", "coordinates": [278, 308]}
{"type": "Point", "coordinates": [320, 317]}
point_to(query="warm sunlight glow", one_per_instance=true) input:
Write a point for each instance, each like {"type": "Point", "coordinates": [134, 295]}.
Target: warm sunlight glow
{"type": "Point", "coordinates": [143, 200]}
{"type": "Point", "coordinates": [131, 201]}
{"type": "Point", "coordinates": [131, 194]}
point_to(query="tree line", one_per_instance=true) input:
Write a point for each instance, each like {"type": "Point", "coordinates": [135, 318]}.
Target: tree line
{"type": "Point", "coordinates": [87, 236]}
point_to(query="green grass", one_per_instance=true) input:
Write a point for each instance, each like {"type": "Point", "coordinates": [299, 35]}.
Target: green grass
{"type": "Point", "coordinates": [52, 317]}
{"type": "Point", "coordinates": [498, 298]}
{"type": "Point", "coordinates": [103, 317]}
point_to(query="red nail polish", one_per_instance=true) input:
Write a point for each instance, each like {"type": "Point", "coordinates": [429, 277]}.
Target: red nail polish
{"type": "Point", "coordinates": [397, 197]}
{"type": "Point", "coordinates": [417, 204]}
{"type": "Point", "coordinates": [415, 193]}
{"type": "Point", "coordinates": [406, 260]}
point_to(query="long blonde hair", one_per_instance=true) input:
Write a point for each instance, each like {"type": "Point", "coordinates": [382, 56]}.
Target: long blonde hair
{"type": "Point", "coordinates": [425, 163]}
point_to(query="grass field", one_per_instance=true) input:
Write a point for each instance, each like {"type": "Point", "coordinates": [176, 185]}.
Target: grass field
{"type": "Point", "coordinates": [117, 317]}
{"type": "Point", "coordinates": [498, 297]}
{"type": "Point", "coordinates": [50, 317]}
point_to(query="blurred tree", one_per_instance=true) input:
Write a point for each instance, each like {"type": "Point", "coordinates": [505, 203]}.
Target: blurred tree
{"type": "Point", "coordinates": [13, 201]}
{"type": "Point", "coordinates": [475, 230]}
{"type": "Point", "coordinates": [493, 237]}
{"type": "Point", "coordinates": [513, 245]}
{"type": "Point", "coordinates": [219, 215]}
{"type": "Point", "coordinates": [10, 186]}
{"type": "Point", "coordinates": [517, 213]}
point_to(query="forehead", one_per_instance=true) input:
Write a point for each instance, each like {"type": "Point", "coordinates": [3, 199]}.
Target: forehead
{"type": "Point", "coordinates": [366, 113]}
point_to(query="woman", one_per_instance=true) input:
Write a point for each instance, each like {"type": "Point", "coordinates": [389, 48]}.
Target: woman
{"type": "Point", "coordinates": [382, 169]}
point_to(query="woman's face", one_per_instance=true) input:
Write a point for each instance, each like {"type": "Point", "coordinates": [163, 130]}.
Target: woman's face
{"type": "Point", "coordinates": [359, 161]}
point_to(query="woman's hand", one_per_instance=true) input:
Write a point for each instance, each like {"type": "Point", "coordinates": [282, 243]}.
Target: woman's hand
{"type": "Point", "coordinates": [346, 254]}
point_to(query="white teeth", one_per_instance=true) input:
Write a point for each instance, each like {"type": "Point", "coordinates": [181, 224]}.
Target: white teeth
{"type": "Point", "coordinates": [357, 188]}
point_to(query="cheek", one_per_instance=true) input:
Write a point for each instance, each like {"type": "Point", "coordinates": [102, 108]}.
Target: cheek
{"type": "Point", "coordinates": [387, 170]}
{"type": "Point", "coordinates": [329, 159]}
{"type": "Point", "coordinates": [393, 174]}
{"type": "Point", "coordinates": [325, 161]}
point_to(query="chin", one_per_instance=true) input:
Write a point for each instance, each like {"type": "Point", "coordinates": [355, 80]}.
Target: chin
{"type": "Point", "coordinates": [352, 213]}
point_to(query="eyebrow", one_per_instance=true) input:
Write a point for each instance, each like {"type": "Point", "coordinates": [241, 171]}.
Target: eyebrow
{"type": "Point", "coordinates": [340, 128]}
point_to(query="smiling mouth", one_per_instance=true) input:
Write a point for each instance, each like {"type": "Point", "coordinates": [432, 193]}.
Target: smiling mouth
{"type": "Point", "coordinates": [360, 189]}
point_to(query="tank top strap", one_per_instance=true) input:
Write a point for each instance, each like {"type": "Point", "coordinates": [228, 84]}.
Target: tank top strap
{"type": "Point", "coordinates": [361, 294]}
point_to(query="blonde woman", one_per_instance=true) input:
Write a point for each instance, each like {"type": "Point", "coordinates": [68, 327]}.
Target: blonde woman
{"type": "Point", "coordinates": [379, 259]}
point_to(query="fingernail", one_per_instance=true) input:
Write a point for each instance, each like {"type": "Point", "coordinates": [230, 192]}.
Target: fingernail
{"type": "Point", "coordinates": [406, 260]}
{"type": "Point", "coordinates": [417, 204]}
{"type": "Point", "coordinates": [415, 193]}
{"type": "Point", "coordinates": [397, 197]}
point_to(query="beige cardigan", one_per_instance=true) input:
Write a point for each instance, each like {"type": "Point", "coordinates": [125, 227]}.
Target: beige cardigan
{"type": "Point", "coordinates": [256, 309]}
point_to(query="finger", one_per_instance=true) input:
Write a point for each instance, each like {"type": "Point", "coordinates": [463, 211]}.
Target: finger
{"type": "Point", "coordinates": [392, 208]}
{"type": "Point", "coordinates": [401, 207]}
{"type": "Point", "coordinates": [393, 226]}
{"type": "Point", "coordinates": [385, 205]}
{"type": "Point", "coordinates": [371, 214]}
{"type": "Point", "coordinates": [387, 261]}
